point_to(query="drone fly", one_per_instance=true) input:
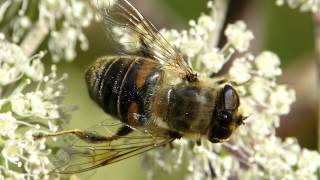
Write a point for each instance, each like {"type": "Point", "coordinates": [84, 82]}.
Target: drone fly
{"type": "Point", "coordinates": [154, 91]}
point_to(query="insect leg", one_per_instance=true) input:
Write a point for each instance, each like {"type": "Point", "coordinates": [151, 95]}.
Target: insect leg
{"type": "Point", "coordinates": [89, 137]}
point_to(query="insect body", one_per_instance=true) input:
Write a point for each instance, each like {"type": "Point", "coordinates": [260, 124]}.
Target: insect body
{"type": "Point", "coordinates": [124, 87]}
{"type": "Point", "coordinates": [154, 92]}
{"type": "Point", "coordinates": [139, 92]}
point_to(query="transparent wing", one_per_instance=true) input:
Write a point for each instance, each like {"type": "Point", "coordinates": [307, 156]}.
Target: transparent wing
{"type": "Point", "coordinates": [136, 34]}
{"type": "Point", "coordinates": [82, 156]}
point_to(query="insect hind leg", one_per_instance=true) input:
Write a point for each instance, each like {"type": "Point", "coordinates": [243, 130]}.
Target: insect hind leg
{"type": "Point", "coordinates": [89, 137]}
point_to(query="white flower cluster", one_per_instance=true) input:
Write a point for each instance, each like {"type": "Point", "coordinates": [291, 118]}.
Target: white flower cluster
{"type": "Point", "coordinates": [303, 5]}
{"type": "Point", "coordinates": [63, 21]}
{"type": "Point", "coordinates": [30, 101]}
{"type": "Point", "coordinates": [194, 43]}
{"type": "Point", "coordinates": [14, 64]}
{"type": "Point", "coordinates": [254, 151]}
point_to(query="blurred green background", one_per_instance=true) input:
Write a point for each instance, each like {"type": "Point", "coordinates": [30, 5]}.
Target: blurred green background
{"type": "Point", "coordinates": [287, 32]}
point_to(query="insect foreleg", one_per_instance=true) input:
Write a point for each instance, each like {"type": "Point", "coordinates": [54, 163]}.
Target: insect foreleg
{"type": "Point", "coordinates": [90, 137]}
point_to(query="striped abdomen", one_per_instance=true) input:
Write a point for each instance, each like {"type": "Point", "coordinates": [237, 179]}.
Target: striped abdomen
{"type": "Point", "coordinates": [124, 86]}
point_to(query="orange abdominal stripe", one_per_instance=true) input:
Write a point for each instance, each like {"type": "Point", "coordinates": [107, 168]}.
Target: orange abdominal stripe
{"type": "Point", "coordinates": [132, 114]}
{"type": "Point", "coordinates": [146, 69]}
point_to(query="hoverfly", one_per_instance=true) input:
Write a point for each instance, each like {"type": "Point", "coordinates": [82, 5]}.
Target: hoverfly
{"type": "Point", "coordinates": [155, 92]}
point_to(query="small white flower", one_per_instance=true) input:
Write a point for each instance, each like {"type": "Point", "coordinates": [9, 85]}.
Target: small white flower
{"type": "Point", "coordinates": [294, 3]}
{"type": "Point", "coordinates": [206, 22]}
{"type": "Point", "coordinates": [213, 61]}
{"type": "Point", "coordinates": [268, 64]}
{"type": "Point", "coordinates": [34, 104]}
{"type": "Point", "coordinates": [12, 151]}
{"type": "Point", "coordinates": [35, 70]}
{"type": "Point", "coordinates": [62, 43]}
{"type": "Point", "coordinates": [9, 74]}
{"type": "Point", "coordinates": [19, 27]}
{"type": "Point", "coordinates": [11, 53]}
{"type": "Point", "coordinates": [50, 10]}
{"type": "Point", "coordinates": [291, 158]}
{"type": "Point", "coordinates": [172, 36]}
{"type": "Point", "coordinates": [72, 14]}
{"type": "Point", "coordinates": [281, 99]}
{"type": "Point", "coordinates": [260, 90]}
{"type": "Point", "coordinates": [25, 22]}
{"type": "Point", "coordinates": [305, 175]}
{"type": "Point", "coordinates": [238, 35]}
{"type": "Point", "coordinates": [259, 126]}
{"type": "Point", "coordinates": [192, 46]}
{"type": "Point", "coordinates": [38, 165]}
{"type": "Point", "coordinates": [76, 15]}
{"type": "Point", "coordinates": [309, 161]}
{"type": "Point", "coordinates": [310, 5]}
{"type": "Point", "coordinates": [247, 106]}
{"type": "Point", "coordinates": [13, 62]}
{"type": "Point", "coordinates": [79, 13]}
{"type": "Point", "coordinates": [303, 5]}
{"type": "Point", "coordinates": [7, 124]}
{"type": "Point", "coordinates": [279, 2]}
{"type": "Point", "coordinates": [202, 27]}
{"type": "Point", "coordinates": [21, 105]}
{"type": "Point", "coordinates": [240, 70]}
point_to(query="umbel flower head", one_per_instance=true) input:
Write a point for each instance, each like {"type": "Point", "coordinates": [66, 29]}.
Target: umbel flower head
{"type": "Point", "coordinates": [303, 5]}
{"type": "Point", "coordinates": [29, 102]}
{"type": "Point", "coordinates": [62, 21]}
{"type": "Point", "coordinates": [30, 97]}
{"type": "Point", "coordinates": [254, 151]}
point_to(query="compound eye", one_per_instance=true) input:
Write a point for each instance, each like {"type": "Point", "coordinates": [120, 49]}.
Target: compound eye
{"type": "Point", "coordinates": [225, 117]}
{"type": "Point", "coordinates": [230, 98]}
{"type": "Point", "coordinates": [219, 133]}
